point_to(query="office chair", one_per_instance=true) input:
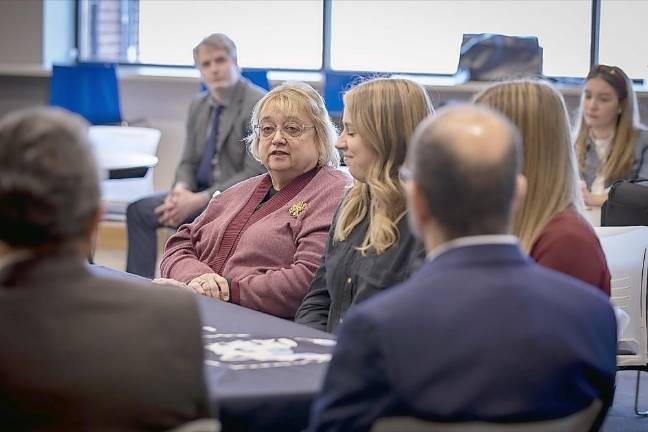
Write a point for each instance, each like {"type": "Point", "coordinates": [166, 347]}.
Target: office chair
{"type": "Point", "coordinates": [120, 141]}
{"type": "Point", "coordinates": [626, 250]}
{"type": "Point", "coordinates": [257, 76]}
{"type": "Point", "coordinates": [88, 89]}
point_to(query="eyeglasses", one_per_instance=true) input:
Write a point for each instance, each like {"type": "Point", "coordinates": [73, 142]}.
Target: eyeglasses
{"type": "Point", "coordinates": [405, 174]}
{"type": "Point", "coordinates": [292, 130]}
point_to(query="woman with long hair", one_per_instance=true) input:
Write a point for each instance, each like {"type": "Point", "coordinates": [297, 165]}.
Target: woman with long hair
{"type": "Point", "coordinates": [370, 246]}
{"type": "Point", "coordinates": [611, 143]}
{"type": "Point", "coordinates": [550, 221]}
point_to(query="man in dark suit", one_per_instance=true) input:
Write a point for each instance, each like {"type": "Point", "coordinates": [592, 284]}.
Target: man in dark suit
{"type": "Point", "coordinates": [214, 158]}
{"type": "Point", "coordinates": [79, 351]}
{"type": "Point", "coordinates": [480, 332]}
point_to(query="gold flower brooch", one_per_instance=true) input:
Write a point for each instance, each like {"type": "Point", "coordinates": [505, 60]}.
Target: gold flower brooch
{"type": "Point", "coordinates": [297, 208]}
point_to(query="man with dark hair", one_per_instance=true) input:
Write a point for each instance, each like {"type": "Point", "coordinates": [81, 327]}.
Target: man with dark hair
{"type": "Point", "coordinates": [80, 351]}
{"type": "Point", "coordinates": [214, 158]}
{"type": "Point", "coordinates": [480, 332]}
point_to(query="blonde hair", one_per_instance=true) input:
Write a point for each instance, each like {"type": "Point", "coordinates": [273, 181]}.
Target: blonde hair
{"type": "Point", "coordinates": [385, 113]}
{"type": "Point", "coordinates": [549, 163]}
{"type": "Point", "coordinates": [621, 158]}
{"type": "Point", "coordinates": [294, 99]}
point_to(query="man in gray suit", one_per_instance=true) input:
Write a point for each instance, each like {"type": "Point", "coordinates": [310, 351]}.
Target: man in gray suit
{"type": "Point", "coordinates": [215, 156]}
{"type": "Point", "coordinates": [79, 351]}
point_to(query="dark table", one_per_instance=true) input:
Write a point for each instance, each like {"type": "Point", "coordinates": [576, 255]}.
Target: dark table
{"type": "Point", "coordinates": [262, 371]}
{"type": "Point", "coordinates": [265, 371]}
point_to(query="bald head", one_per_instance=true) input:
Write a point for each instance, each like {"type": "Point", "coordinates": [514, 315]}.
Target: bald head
{"type": "Point", "coordinates": [465, 161]}
{"type": "Point", "coordinates": [476, 135]}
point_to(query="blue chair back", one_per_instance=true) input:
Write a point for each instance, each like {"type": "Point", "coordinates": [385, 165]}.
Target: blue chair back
{"type": "Point", "coordinates": [335, 84]}
{"type": "Point", "coordinates": [89, 89]}
{"type": "Point", "coordinates": [257, 76]}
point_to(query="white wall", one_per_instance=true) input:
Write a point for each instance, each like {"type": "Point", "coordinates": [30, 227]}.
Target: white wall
{"type": "Point", "coordinates": [21, 32]}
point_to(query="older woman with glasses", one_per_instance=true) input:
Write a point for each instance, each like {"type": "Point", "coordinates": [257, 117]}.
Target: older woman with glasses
{"type": "Point", "coordinates": [259, 243]}
{"type": "Point", "coordinates": [611, 144]}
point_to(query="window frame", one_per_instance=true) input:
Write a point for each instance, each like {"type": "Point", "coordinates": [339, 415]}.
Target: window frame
{"type": "Point", "coordinates": [595, 21]}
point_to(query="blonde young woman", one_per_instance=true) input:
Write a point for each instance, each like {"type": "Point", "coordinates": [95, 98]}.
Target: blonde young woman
{"type": "Point", "coordinates": [370, 246]}
{"type": "Point", "coordinates": [611, 144]}
{"type": "Point", "coordinates": [550, 221]}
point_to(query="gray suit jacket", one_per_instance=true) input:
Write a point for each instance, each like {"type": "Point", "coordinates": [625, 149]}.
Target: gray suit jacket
{"type": "Point", "coordinates": [233, 162]}
{"type": "Point", "coordinates": [639, 169]}
{"type": "Point", "coordinates": [346, 277]}
{"type": "Point", "coordinates": [83, 352]}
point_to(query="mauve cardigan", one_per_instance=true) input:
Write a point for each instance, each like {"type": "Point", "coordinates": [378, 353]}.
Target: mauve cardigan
{"type": "Point", "coordinates": [276, 257]}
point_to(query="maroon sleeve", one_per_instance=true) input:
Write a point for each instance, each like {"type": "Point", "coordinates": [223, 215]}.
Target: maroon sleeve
{"type": "Point", "coordinates": [568, 246]}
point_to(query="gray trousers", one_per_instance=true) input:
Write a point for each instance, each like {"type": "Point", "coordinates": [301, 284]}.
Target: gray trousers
{"type": "Point", "coordinates": [142, 224]}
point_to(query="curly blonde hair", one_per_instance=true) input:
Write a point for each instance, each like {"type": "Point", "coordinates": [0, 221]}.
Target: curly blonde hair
{"type": "Point", "coordinates": [385, 113]}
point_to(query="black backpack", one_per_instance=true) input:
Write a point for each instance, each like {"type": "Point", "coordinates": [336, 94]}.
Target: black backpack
{"type": "Point", "coordinates": [627, 204]}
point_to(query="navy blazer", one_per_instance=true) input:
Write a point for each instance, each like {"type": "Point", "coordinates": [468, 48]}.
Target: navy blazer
{"type": "Point", "coordinates": [479, 333]}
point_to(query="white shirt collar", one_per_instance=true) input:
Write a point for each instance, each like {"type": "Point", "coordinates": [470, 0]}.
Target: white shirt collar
{"type": "Point", "coordinates": [602, 147]}
{"type": "Point", "coordinates": [471, 241]}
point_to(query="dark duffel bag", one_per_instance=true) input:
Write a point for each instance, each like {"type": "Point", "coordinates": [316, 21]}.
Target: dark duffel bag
{"type": "Point", "coordinates": [494, 57]}
{"type": "Point", "coordinates": [627, 204]}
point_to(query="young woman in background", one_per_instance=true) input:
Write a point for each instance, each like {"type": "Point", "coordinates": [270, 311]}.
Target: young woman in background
{"type": "Point", "coordinates": [610, 142]}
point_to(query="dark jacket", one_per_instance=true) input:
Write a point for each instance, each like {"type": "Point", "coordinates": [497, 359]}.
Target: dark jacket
{"type": "Point", "coordinates": [480, 333]}
{"type": "Point", "coordinates": [639, 168]}
{"type": "Point", "coordinates": [346, 277]}
{"type": "Point", "coordinates": [82, 352]}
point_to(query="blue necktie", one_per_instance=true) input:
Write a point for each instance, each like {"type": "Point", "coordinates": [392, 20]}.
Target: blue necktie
{"type": "Point", "coordinates": [205, 169]}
